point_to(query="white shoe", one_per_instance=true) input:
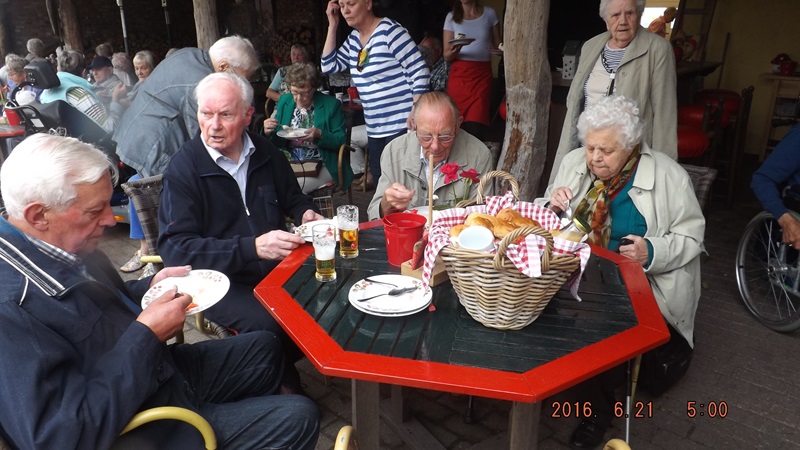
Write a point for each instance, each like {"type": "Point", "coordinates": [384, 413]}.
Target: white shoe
{"type": "Point", "coordinates": [149, 271]}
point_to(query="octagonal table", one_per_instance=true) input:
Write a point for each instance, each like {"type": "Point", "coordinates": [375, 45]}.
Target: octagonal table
{"type": "Point", "coordinates": [447, 350]}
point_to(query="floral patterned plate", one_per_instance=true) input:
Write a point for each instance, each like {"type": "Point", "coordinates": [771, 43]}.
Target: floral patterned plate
{"type": "Point", "coordinates": [386, 305]}
{"type": "Point", "coordinates": [206, 287]}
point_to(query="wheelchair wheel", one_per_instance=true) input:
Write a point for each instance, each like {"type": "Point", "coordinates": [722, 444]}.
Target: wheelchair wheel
{"type": "Point", "coordinates": [767, 274]}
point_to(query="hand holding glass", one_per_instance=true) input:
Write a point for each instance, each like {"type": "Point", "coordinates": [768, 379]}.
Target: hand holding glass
{"type": "Point", "coordinates": [347, 221]}
{"type": "Point", "coordinates": [324, 241]}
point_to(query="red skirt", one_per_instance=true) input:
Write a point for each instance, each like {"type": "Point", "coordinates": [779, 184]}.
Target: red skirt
{"type": "Point", "coordinates": [470, 85]}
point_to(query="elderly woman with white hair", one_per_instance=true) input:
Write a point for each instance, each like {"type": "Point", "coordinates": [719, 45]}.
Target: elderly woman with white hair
{"type": "Point", "coordinates": [631, 61]}
{"type": "Point", "coordinates": [640, 203]}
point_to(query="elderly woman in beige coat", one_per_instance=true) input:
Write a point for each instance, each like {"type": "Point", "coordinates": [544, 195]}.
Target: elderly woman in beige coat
{"type": "Point", "coordinates": [640, 203]}
{"type": "Point", "coordinates": [631, 61]}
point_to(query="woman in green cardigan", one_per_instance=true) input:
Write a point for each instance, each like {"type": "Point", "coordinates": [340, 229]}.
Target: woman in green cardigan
{"type": "Point", "coordinates": [321, 115]}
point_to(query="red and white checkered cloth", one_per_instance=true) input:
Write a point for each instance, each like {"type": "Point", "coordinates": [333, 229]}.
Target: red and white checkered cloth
{"type": "Point", "coordinates": [526, 256]}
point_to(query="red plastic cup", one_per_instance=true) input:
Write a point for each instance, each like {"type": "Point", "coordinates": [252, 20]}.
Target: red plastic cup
{"type": "Point", "coordinates": [402, 231]}
{"type": "Point", "coordinates": [352, 92]}
{"type": "Point", "coordinates": [12, 117]}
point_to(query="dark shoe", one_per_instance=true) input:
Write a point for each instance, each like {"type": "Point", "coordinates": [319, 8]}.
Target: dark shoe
{"type": "Point", "coordinates": [588, 435]}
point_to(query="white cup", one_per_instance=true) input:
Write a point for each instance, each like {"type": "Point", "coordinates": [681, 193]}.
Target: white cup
{"type": "Point", "coordinates": [476, 238]}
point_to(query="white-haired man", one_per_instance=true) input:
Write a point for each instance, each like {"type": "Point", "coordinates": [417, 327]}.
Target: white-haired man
{"type": "Point", "coordinates": [164, 114]}
{"type": "Point", "coordinates": [91, 357]}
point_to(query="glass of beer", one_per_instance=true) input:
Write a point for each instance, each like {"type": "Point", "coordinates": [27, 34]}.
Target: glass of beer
{"type": "Point", "coordinates": [324, 240]}
{"type": "Point", "coordinates": [347, 221]}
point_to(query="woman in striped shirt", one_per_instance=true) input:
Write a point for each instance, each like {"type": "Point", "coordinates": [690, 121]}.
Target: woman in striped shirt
{"type": "Point", "coordinates": [385, 66]}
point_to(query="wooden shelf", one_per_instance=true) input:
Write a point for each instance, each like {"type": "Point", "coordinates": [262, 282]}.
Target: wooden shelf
{"type": "Point", "coordinates": [785, 95]}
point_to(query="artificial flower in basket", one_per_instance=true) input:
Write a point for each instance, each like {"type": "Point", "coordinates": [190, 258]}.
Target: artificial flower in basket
{"type": "Point", "coordinates": [468, 177]}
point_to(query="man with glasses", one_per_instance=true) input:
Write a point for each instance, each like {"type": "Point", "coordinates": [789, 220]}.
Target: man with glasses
{"type": "Point", "coordinates": [405, 163]}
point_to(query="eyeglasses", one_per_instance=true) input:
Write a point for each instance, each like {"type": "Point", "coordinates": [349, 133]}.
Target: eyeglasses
{"type": "Point", "coordinates": [305, 93]}
{"type": "Point", "coordinates": [428, 138]}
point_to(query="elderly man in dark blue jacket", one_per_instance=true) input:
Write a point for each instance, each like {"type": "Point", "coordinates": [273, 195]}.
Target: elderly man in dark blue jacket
{"type": "Point", "coordinates": [80, 357]}
{"type": "Point", "coordinates": [226, 194]}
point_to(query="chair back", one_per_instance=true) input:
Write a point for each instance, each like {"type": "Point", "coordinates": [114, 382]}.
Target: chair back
{"type": "Point", "coordinates": [146, 195]}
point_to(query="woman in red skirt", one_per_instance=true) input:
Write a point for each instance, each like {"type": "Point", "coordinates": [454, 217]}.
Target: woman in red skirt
{"type": "Point", "coordinates": [470, 31]}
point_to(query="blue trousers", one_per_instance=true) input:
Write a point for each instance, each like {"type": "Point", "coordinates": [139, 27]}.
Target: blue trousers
{"type": "Point", "coordinates": [375, 147]}
{"type": "Point", "coordinates": [233, 383]}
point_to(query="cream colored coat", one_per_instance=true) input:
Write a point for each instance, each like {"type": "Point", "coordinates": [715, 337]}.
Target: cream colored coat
{"type": "Point", "coordinates": [646, 75]}
{"type": "Point", "coordinates": [662, 192]}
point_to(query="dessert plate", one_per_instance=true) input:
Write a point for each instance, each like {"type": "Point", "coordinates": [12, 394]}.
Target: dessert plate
{"type": "Point", "coordinates": [206, 287]}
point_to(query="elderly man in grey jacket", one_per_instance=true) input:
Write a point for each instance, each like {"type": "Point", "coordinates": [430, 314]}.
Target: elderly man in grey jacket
{"type": "Point", "coordinates": [164, 113]}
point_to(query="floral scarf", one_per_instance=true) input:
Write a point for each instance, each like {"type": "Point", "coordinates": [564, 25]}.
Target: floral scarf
{"type": "Point", "coordinates": [594, 205]}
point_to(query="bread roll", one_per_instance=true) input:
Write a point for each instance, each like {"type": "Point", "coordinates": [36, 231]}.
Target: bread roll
{"type": "Point", "coordinates": [472, 217]}
{"type": "Point", "coordinates": [482, 222]}
{"type": "Point", "coordinates": [502, 229]}
{"type": "Point", "coordinates": [526, 222]}
{"type": "Point", "coordinates": [509, 215]}
{"type": "Point", "coordinates": [456, 230]}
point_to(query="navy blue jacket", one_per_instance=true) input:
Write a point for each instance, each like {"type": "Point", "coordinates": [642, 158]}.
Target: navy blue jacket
{"type": "Point", "coordinates": [203, 221]}
{"type": "Point", "coordinates": [782, 167]}
{"type": "Point", "coordinates": [76, 365]}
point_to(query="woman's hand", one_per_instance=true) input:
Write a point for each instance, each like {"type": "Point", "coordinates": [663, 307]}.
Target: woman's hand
{"type": "Point", "coordinates": [636, 251]}
{"type": "Point", "coordinates": [791, 230]}
{"type": "Point", "coordinates": [314, 133]}
{"type": "Point", "coordinates": [270, 125]}
{"type": "Point", "coordinates": [560, 198]}
{"type": "Point", "coordinates": [332, 11]}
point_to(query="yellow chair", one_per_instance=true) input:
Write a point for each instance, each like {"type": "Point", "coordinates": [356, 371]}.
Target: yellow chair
{"type": "Point", "coordinates": [616, 444]}
{"type": "Point", "coordinates": [345, 439]}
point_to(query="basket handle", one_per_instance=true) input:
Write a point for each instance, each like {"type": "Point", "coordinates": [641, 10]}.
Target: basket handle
{"type": "Point", "coordinates": [502, 174]}
{"type": "Point", "coordinates": [524, 231]}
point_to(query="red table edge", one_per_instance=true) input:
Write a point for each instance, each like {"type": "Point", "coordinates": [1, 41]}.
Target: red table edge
{"type": "Point", "coordinates": [534, 385]}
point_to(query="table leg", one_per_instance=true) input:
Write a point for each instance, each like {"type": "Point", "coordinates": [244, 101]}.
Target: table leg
{"type": "Point", "coordinates": [366, 412]}
{"type": "Point", "coordinates": [523, 426]}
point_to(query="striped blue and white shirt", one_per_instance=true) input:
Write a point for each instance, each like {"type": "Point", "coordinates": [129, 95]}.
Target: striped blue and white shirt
{"type": "Point", "coordinates": [393, 72]}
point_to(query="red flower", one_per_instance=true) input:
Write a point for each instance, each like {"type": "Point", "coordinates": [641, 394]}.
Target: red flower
{"type": "Point", "coordinates": [450, 171]}
{"type": "Point", "coordinates": [471, 175]}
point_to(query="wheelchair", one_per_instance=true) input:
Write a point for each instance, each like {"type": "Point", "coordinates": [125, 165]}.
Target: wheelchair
{"type": "Point", "coordinates": [768, 273]}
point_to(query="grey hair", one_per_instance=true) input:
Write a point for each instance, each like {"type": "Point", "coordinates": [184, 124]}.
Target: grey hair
{"type": "Point", "coordinates": [47, 169]}
{"type": "Point", "coordinates": [614, 111]}
{"type": "Point", "coordinates": [147, 57]}
{"type": "Point", "coordinates": [121, 61]}
{"type": "Point", "coordinates": [71, 61]}
{"type": "Point", "coordinates": [237, 51]}
{"type": "Point", "coordinates": [303, 49]}
{"type": "Point", "coordinates": [207, 84]}
{"type": "Point", "coordinates": [104, 49]}
{"type": "Point", "coordinates": [16, 65]}
{"type": "Point", "coordinates": [9, 57]}
{"type": "Point", "coordinates": [436, 98]}
{"type": "Point", "coordinates": [427, 55]}
{"type": "Point", "coordinates": [303, 74]}
{"type": "Point", "coordinates": [640, 4]}
{"type": "Point", "coordinates": [35, 46]}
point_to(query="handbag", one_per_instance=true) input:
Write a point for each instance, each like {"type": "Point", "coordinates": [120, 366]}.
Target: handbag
{"type": "Point", "coordinates": [663, 366]}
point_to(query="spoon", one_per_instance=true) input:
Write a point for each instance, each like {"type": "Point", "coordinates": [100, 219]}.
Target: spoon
{"type": "Point", "coordinates": [393, 292]}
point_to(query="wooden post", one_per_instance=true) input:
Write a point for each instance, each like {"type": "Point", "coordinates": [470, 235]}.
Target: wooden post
{"type": "Point", "coordinates": [205, 20]}
{"type": "Point", "coordinates": [528, 86]}
{"type": "Point", "coordinates": [71, 27]}
{"type": "Point", "coordinates": [3, 18]}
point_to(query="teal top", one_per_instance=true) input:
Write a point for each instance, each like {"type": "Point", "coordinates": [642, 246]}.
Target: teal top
{"type": "Point", "coordinates": [626, 219]}
{"type": "Point", "coordinates": [329, 118]}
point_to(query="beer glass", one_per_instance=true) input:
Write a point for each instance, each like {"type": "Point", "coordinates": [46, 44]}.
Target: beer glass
{"type": "Point", "coordinates": [324, 240]}
{"type": "Point", "coordinates": [347, 221]}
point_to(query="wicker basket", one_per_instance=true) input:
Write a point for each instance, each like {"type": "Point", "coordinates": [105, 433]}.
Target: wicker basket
{"type": "Point", "coordinates": [493, 291]}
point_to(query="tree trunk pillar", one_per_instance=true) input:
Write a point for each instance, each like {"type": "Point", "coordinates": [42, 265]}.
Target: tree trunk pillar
{"type": "Point", "coordinates": [528, 86]}
{"type": "Point", "coordinates": [205, 19]}
{"type": "Point", "coordinates": [70, 27]}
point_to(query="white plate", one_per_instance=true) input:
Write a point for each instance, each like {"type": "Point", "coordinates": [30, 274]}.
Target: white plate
{"type": "Point", "coordinates": [293, 133]}
{"type": "Point", "coordinates": [304, 230]}
{"type": "Point", "coordinates": [206, 287]}
{"type": "Point", "coordinates": [387, 305]}
{"type": "Point", "coordinates": [462, 41]}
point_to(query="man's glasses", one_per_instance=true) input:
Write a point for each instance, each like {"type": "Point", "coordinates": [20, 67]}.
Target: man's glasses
{"type": "Point", "coordinates": [428, 138]}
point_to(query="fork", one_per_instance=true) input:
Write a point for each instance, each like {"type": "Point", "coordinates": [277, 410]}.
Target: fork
{"type": "Point", "coordinates": [393, 292]}
{"type": "Point", "coordinates": [373, 280]}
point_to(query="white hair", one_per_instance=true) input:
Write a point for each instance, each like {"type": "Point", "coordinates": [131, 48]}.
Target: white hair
{"type": "Point", "coordinates": [237, 51]}
{"type": "Point", "coordinates": [640, 4]}
{"type": "Point", "coordinates": [208, 83]}
{"type": "Point", "coordinates": [46, 169]}
{"type": "Point", "coordinates": [616, 112]}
